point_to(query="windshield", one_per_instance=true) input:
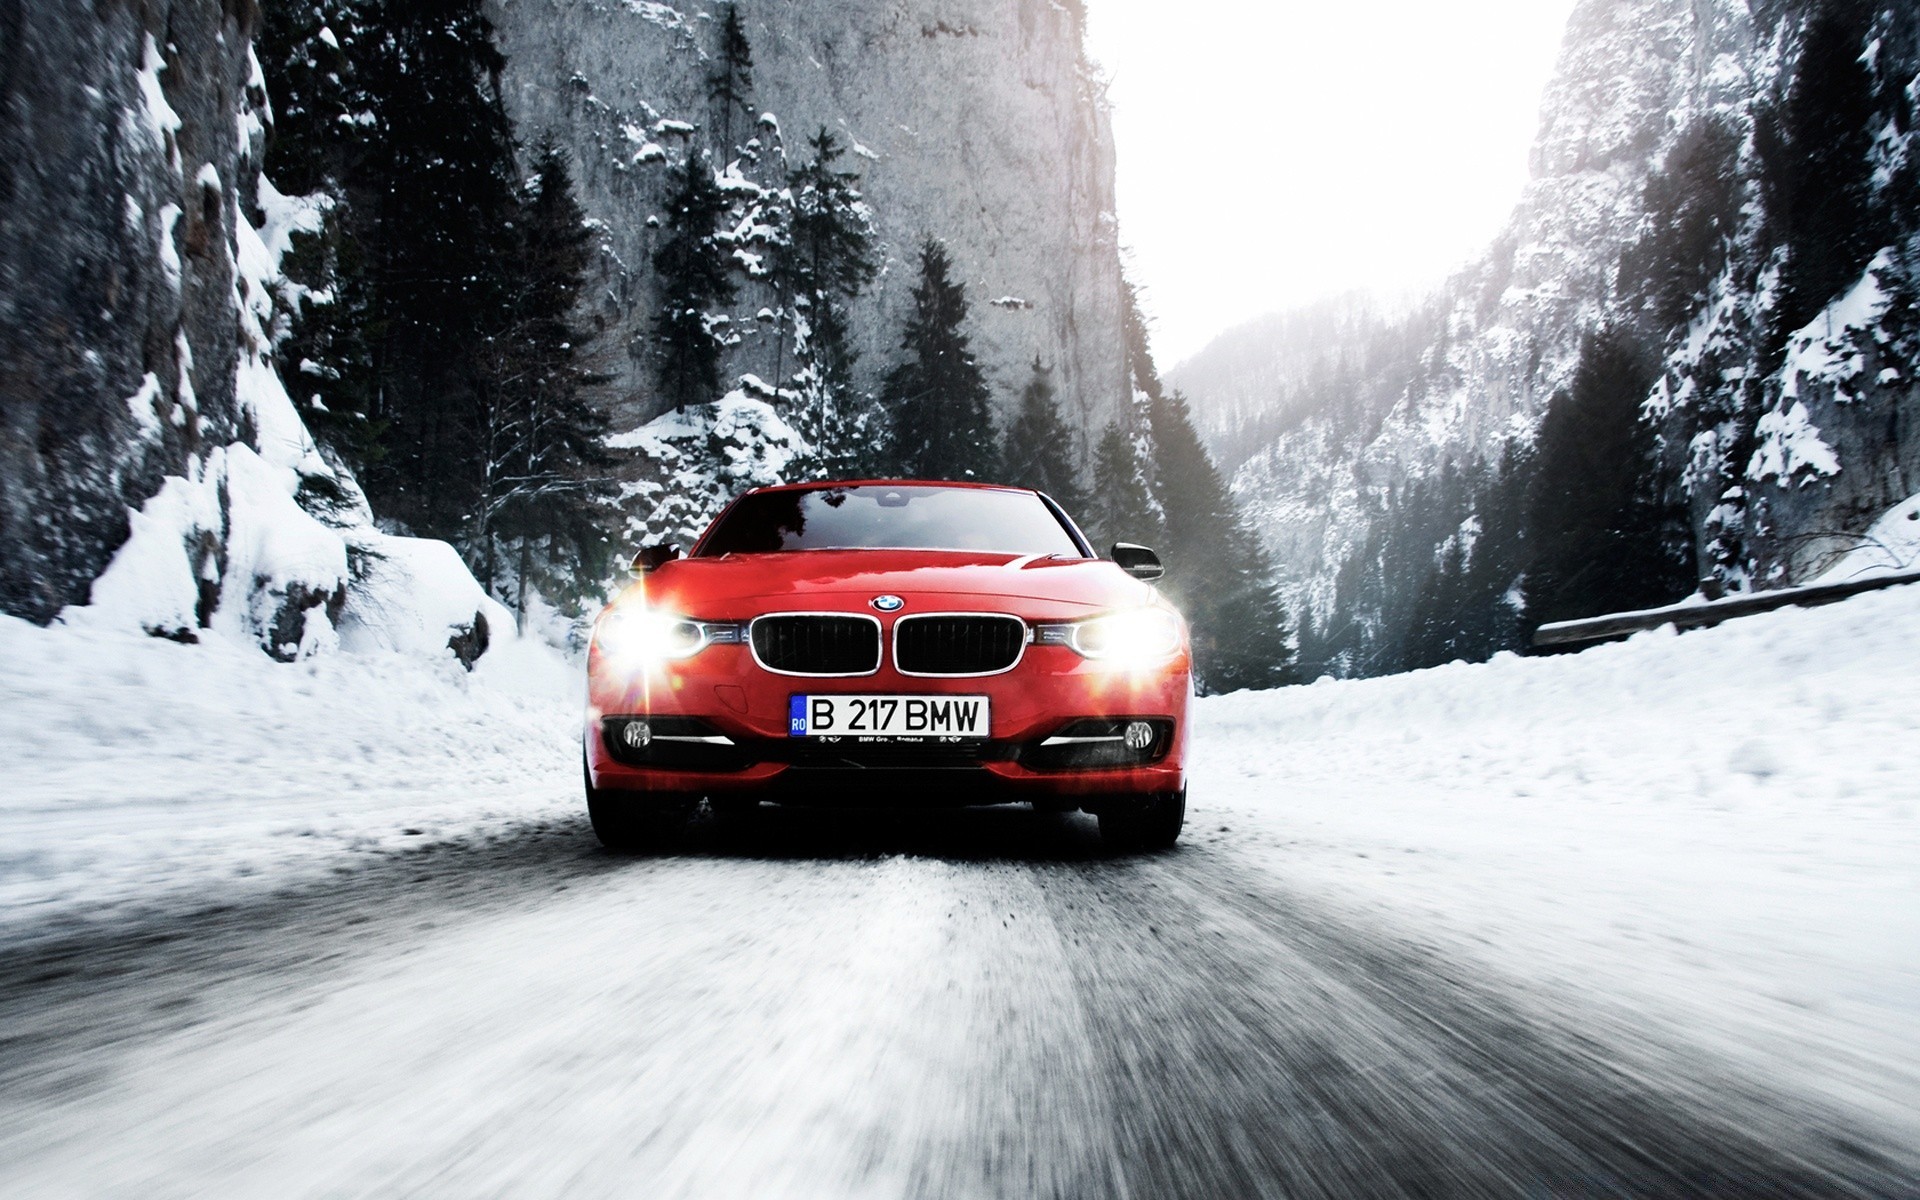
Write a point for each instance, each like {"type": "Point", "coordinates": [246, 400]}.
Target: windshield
{"type": "Point", "coordinates": [879, 516]}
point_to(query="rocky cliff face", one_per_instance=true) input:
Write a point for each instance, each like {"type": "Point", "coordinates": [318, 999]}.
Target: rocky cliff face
{"type": "Point", "coordinates": [1772, 435]}
{"type": "Point", "coordinates": [122, 147]}
{"type": "Point", "coordinates": [153, 472]}
{"type": "Point", "coordinates": [973, 121]}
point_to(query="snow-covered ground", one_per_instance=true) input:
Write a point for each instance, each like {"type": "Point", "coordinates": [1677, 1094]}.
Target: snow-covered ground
{"type": "Point", "coordinates": [1720, 830]}
{"type": "Point", "coordinates": [144, 774]}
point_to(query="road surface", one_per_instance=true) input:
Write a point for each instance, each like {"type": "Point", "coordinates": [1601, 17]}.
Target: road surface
{"type": "Point", "coordinates": [954, 1004]}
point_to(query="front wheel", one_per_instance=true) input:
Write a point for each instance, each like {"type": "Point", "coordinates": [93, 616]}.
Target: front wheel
{"type": "Point", "coordinates": [1145, 823]}
{"type": "Point", "coordinates": [633, 822]}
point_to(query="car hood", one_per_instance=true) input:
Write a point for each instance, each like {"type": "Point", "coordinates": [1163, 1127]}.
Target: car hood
{"type": "Point", "coordinates": [739, 586]}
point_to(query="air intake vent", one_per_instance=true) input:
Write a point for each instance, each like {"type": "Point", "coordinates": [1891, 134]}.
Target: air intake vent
{"type": "Point", "coordinates": [810, 644]}
{"type": "Point", "coordinates": [958, 645]}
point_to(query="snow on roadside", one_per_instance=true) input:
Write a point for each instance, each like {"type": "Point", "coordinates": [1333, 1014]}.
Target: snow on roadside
{"type": "Point", "coordinates": [1890, 546]}
{"type": "Point", "coordinates": [143, 773]}
{"type": "Point", "coordinates": [1722, 827]}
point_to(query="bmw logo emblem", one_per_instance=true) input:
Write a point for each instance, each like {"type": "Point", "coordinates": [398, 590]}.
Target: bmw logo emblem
{"type": "Point", "coordinates": [888, 603]}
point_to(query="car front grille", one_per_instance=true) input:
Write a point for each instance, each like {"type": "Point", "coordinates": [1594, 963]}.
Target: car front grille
{"type": "Point", "coordinates": [817, 644]}
{"type": "Point", "coordinates": [969, 644]}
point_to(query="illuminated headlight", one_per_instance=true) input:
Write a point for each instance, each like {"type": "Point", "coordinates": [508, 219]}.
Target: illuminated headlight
{"type": "Point", "coordinates": [1138, 635]}
{"type": "Point", "coordinates": [639, 637]}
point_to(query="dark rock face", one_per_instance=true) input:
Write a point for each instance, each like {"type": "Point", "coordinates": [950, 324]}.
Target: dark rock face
{"type": "Point", "coordinates": [470, 643]}
{"type": "Point", "coordinates": [119, 155]}
{"type": "Point", "coordinates": [286, 631]}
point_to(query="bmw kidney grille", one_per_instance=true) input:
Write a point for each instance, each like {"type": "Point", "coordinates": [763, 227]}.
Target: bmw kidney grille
{"type": "Point", "coordinates": [817, 644]}
{"type": "Point", "coordinates": [964, 644]}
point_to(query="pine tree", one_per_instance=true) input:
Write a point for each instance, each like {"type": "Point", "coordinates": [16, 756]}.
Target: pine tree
{"type": "Point", "coordinates": [314, 89]}
{"type": "Point", "coordinates": [549, 500]}
{"type": "Point", "coordinates": [440, 191]}
{"type": "Point", "coordinates": [1814, 157]}
{"type": "Point", "coordinates": [730, 83]}
{"type": "Point", "coordinates": [1039, 446]}
{"type": "Point", "coordinates": [309, 51]}
{"type": "Point", "coordinates": [1597, 532]}
{"type": "Point", "coordinates": [1692, 206]}
{"type": "Point", "coordinates": [1247, 635]}
{"type": "Point", "coordinates": [1217, 570]}
{"type": "Point", "coordinates": [827, 261]}
{"type": "Point", "coordinates": [937, 397]}
{"type": "Point", "coordinates": [1121, 508]}
{"type": "Point", "coordinates": [694, 274]}
{"type": "Point", "coordinates": [327, 350]}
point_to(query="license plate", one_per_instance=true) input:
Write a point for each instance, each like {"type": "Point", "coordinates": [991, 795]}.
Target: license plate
{"type": "Point", "coordinates": [887, 716]}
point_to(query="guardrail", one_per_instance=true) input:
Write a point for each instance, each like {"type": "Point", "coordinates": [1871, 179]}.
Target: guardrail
{"type": "Point", "coordinates": [1711, 612]}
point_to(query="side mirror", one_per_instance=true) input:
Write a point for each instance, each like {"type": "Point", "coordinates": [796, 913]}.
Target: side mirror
{"type": "Point", "coordinates": [1137, 561]}
{"type": "Point", "coordinates": [652, 558]}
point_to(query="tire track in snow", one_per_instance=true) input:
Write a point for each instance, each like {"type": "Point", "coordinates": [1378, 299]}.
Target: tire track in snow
{"type": "Point", "coordinates": [844, 1004]}
{"type": "Point", "coordinates": [1260, 1044]}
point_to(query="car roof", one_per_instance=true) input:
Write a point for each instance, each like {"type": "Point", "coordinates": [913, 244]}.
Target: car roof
{"type": "Point", "coordinates": [814, 485]}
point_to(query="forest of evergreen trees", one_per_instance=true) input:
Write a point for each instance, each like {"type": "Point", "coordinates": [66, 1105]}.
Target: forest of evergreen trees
{"type": "Point", "coordinates": [438, 346]}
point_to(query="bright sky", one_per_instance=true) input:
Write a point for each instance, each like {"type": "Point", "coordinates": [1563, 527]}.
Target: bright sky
{"type": "Point", "coordinates": [1275, 151]}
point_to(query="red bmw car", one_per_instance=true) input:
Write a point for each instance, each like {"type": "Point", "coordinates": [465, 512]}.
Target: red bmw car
{"type": "Point", "coordinates": [889, 643]}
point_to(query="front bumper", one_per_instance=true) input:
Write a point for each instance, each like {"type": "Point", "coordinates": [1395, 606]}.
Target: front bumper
{"type": "Point", "coordinates": [725, 721]}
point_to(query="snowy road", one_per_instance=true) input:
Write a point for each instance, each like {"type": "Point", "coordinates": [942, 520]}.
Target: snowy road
{"type": "Point", "coordinates": [952, 1004]}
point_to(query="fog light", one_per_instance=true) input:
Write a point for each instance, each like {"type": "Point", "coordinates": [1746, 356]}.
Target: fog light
{"type": "Point", "coordinates": [1139, 735]}
{"type": "Point", "coordinates": [637, 734]}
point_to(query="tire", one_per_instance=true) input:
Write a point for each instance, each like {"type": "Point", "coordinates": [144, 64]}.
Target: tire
{"type": "Point", "coordinates": [1146, 823]}
{"type": "Point", "coordinates": [636, 822]}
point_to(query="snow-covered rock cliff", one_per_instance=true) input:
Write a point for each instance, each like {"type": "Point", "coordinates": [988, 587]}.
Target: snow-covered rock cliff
{"type": "Point", "coordinates": [154, 475]}
{"type": "Point", "coordinates": [974, 121]}
{"type": "Point", "coordinates": [1660, 209]}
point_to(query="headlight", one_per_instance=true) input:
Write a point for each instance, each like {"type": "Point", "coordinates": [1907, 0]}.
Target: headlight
{"type": "Point", "coordinates": [1138, 635]}
{"type": "Point", "coordinates": [641, 637]}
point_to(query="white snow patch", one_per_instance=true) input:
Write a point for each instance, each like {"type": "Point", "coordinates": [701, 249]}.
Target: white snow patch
{"type": "Point", "coordinates": [1829, 348]}
{"type": "Point", "coordinates": [413, 596]}
{"type": "Point", "coordinates": [275, 549]}
{"type": "Point", "coordinates": [664, 15]}
{"type": "Point", "coordinates": [141, 405]}
{"type": "Point", "coordinates": [285, 216]}
{"type": "Point", "coordinates": [162, 121]}
{"type": "Point", "coordinates": [1789, 444]}
{"type": "Point", "coordinates": [141, 773]}
{"type": "Point", "coordinates": [169, 250]}
{"type": "Point", "coordinates": [1891, 545]}
{"type": "Point", "coordinates": [189, 399]}
{"type": "Point", "coordinates": [150, 586]}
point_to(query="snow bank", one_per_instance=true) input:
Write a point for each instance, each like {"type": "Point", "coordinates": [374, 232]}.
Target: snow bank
{"type": "Point", "coordinates": [415, 596]}
{"type": "Point", "coordinates": [1720, 825]}
{"type": "Point", "coordinates": [142, 773]}
{"type": "Point", "coordinates": [1891, 545]}
{"type": "Point", "coordinates": [153, 582]}
{"type": "Point", "coordinates": [228, 546]}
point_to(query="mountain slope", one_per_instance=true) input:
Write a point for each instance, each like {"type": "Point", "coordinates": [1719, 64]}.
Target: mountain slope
{"type": "Point", "coordinates": [1645, 272]}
